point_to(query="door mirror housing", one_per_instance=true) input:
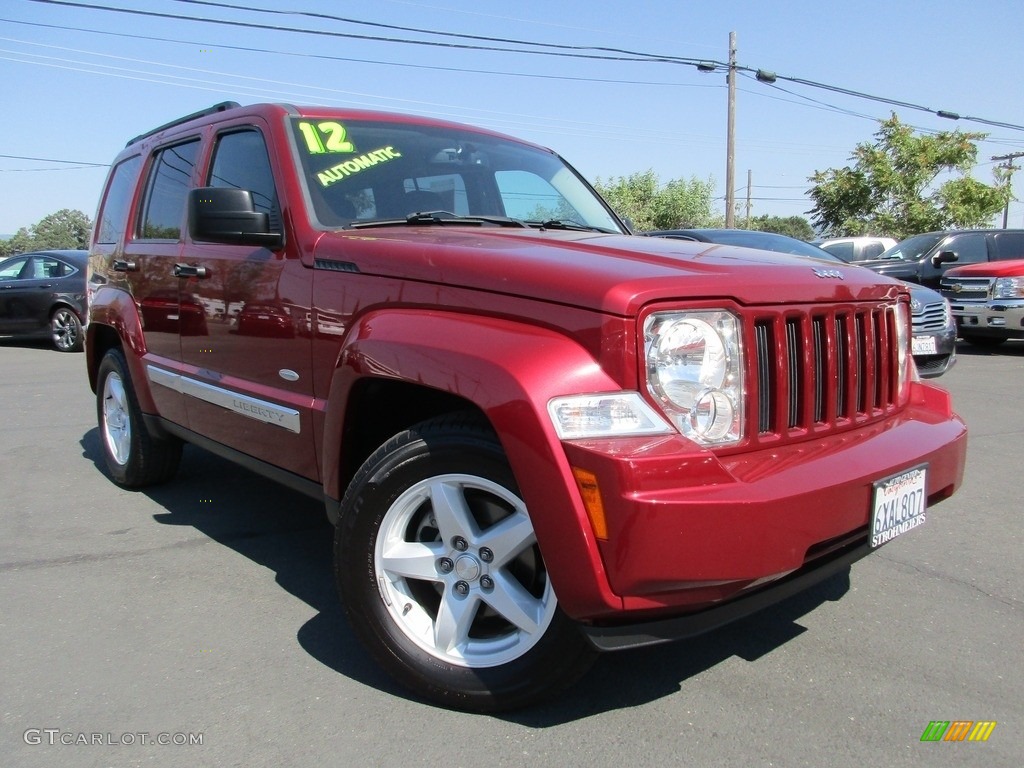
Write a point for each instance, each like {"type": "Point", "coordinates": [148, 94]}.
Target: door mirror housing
{"type": "Point", "coordinates": [944, 257]}
{"type": "Point", "coordinates": [227, 215]}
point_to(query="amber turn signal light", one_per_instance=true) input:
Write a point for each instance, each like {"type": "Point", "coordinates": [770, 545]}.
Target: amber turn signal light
{"type": "Point", "coordinates": [591, 493]}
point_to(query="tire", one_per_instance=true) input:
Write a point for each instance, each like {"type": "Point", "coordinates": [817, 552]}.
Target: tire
{"type": "Point", "coordinates": [986, 342]}
{"type": "Point", "coordinates": [441, 578]}
{"type": "Point", "coordinates": [66, 330]}
{"type": "Point", "coordinates": [133, 456]}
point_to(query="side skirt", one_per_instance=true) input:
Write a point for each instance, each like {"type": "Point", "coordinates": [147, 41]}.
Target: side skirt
{"type": "Point", "coordinates": [159, 426]}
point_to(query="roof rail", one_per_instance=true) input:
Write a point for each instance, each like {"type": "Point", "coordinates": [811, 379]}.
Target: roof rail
{"type": "Point", "coordinates": [221, 107]}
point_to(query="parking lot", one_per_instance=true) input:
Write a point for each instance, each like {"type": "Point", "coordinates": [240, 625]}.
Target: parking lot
{"type": "Point", "coordinates": [203, 614]}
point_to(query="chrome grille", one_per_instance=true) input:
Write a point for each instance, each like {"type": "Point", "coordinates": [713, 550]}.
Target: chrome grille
{"type": "Point", "coordinates": [929, 317]}
{"type": "Point", "coordinates": [959, 289]}
{"type": "Point", "coordinates": [820, 369]}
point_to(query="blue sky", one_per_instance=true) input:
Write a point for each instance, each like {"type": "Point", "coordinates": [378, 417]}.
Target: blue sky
{"type": "Point", "coordinates": [79, 82]}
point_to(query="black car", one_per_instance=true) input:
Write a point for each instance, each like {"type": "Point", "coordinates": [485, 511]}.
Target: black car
{"type": "Point", "coordinates": [925, 258]}
{"type": "Point", "coordinates": [933, 340]}
{"type": "Point", "coordinates": [43, 294]}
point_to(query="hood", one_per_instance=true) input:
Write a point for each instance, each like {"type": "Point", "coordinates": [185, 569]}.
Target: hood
{"type": "Point", "coordinates": [1007, 268]}
{"type": "Point", "coordinates": [923, 294]}
{"type": "Point", "coordinates": [617, 274]}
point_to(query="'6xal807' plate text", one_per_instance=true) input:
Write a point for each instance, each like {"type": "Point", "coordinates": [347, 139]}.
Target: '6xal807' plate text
{"type": "Point", "coordinates": [899, 503]}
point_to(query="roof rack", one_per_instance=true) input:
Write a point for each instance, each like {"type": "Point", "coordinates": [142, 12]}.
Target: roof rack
{"type": "Point", "coordinates": [221, 107]}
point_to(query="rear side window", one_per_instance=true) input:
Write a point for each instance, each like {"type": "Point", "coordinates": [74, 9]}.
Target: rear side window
{"type": "Point", "coordinates": [111, 221]}
{"type": "Point", "coordinates": [843, 250]}
{"type": "Point", "coordinates": [240, 161]}
{"type": "Point", "coordinates": [872, 251]}
{"type": "Point", "coordinates": [44, 267]}
{"type": "Point", "coordinates": [1009, 245]}
{"type": "Point", "coordinates": [163, 208]}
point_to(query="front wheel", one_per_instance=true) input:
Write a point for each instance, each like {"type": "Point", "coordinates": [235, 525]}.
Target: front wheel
{"type": "Point", "coordinates": [439, 569]}
{"type": "Point", "coordinates": [134, 457]}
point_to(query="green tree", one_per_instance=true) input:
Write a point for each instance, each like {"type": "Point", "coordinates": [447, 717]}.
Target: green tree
{"type": "Point", "coordinates": [794, 226]}
{"type": "Point", "coordinates": [893, 188]}
{"type": "Point", "coordinates": [64, 229]}
{"type": "Point", "coordinates": [650, 205]}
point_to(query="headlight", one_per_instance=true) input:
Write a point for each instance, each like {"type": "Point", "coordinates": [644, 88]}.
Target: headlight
{"type": "Point", "coordinates": [903, 358]}
{"type": "Point", "coordinates": [1008, 288]}
{"type": "Point", "coordinates": [695, 373]}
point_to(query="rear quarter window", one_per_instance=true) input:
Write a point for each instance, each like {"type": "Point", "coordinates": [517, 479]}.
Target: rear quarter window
{"type": "Point", "coordinates": [110, 223]}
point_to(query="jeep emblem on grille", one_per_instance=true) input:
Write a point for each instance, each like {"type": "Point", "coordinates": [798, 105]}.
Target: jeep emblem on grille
{"type": "Point", "coordinates": [834, 274]}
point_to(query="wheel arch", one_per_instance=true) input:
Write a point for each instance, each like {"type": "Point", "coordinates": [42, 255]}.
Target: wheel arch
{"type": "Point", "coordinates": [506, 372]}
{"type": "Point", "coordinates": [114, 322]}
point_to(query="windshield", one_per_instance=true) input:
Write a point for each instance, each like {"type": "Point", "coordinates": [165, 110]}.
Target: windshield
{"type": "Point", "coordinates": [913, 248]}
{"type": "Point", "coordinates": [361, 173]}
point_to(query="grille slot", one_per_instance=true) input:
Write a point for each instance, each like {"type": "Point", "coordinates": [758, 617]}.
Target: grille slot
{"type": "Point", "coordinates": [824, 369]}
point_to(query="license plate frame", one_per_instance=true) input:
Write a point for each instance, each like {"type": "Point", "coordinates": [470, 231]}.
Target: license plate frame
{"type": "Point", "coordinates": [923, 345]}
{"type": "Point", "coordinates": [898, 504]}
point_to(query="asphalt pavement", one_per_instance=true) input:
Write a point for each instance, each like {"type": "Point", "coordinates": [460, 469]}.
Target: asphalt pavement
{"type": "Point", "coordinates": [197, 624]}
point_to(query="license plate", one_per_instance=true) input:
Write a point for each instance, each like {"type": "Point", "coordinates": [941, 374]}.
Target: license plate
{"type": "Point", "coordinates": [899, 503]}
{"type": "Point", "coordinates": [923, 345]}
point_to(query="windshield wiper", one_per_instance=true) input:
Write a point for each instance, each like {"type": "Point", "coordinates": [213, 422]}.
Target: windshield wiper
{"type": "Point", "coordinates": [572, 225]}
{"type": "Point", "coordinates": [439, 217]}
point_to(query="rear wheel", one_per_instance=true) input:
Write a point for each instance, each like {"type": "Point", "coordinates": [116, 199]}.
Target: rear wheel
{"type": "Point", "coordinates": [134, 457]}
{"type": "Point", "coordinates": [439, 569]}
{"type": "Point", "coordinates": [66, 330]}
{"type": "Point", "coordinates": [988, 342]}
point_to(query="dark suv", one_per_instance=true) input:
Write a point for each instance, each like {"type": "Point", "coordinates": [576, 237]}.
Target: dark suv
{"type": "Point", "coordinates": [925, 258]}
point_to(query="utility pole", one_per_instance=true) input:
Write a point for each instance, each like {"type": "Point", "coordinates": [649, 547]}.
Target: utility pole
{"type": "Point", "coordinates": [1010, 168]}
{"type": "Point", "coordinates": [730, 151]}
{"type": "Point", "coordinates": [750, 181]}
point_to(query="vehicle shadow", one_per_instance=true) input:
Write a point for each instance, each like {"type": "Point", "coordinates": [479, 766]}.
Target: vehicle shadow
{"type": "Point", "coordinates": [277, 528]}
{"type": "Point", "coordinates": [28, 342]}
{"type": "Point", "coordinates": [288, 533]}
{"type": "Point", "coordinates": [1010, 348]}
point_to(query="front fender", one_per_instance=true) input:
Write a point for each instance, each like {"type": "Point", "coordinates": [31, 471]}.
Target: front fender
{"type": "Point", "coordinates": [510, 371]}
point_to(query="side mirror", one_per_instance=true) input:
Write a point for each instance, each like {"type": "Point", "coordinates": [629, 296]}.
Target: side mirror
{"type": "Point", "coordinates": [227, 215]}
{"type": "Point", "coordinates": [944, 257]}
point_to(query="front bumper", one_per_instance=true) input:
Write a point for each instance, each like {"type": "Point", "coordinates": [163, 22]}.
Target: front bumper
{"type": "Point", "coordinates": [929, 364]}
{"type": "Point", "coordinates": [635, 635]}
{"type": "Point", "coordinates": [1002, 318]}
{"type": "Point", "coordinates": [688, 530]}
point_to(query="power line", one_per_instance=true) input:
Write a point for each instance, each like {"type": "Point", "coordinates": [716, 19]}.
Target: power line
{"type": "Point", "coordinates": [136, 73]}
{"type": "Point", "coordinates": [550, 49]}
{"type": "Point", "coordinates": [456, 35]}
{"type": "Point", "coordinates": [328, 57]}
{"type": "Point", "coordinates": [375, 38]}
{"type": "Point", "coordinates": [51, 160]}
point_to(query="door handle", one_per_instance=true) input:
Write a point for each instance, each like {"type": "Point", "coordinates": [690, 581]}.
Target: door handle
{"type": "Point", "coordinates": [187, 270]}
{"type": "Point", "coordinates": [120, 265]}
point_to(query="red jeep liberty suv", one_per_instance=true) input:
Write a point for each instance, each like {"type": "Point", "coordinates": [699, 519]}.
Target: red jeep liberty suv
{"type": "Point", "coordinates": [537, 435]}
